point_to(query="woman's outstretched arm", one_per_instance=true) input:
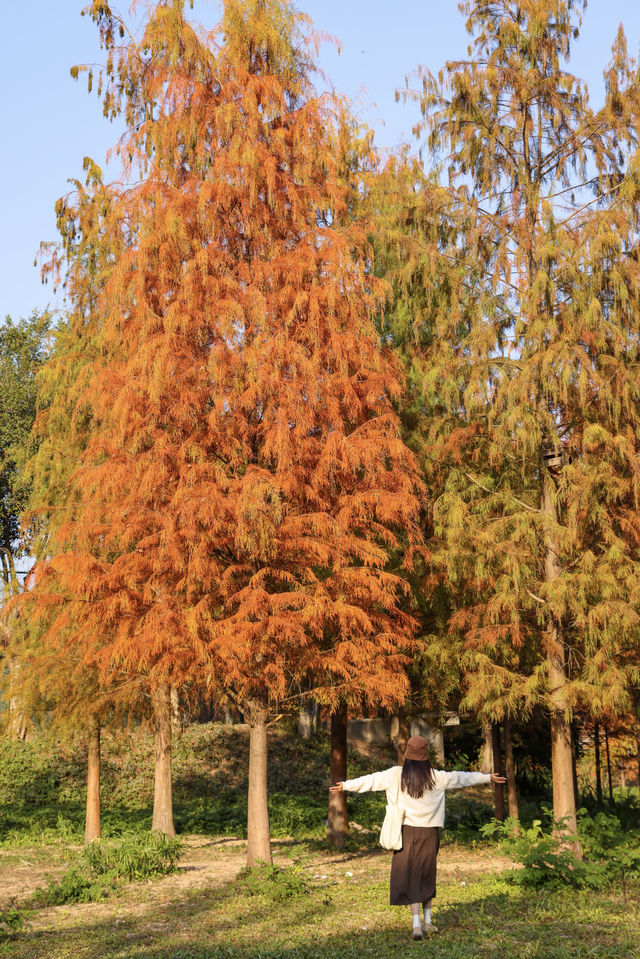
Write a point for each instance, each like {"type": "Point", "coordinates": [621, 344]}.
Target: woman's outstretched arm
{"type": "Point", "coordinates": [459, 779]}
{"type": "Point", "coordinates": [374, 782]}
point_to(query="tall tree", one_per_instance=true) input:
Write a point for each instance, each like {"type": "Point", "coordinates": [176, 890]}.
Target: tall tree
{"type": "Point", "coordinates": [533, 372]}
{"type": "Point", "coordinates": [51, 680]}
{"type": "Point", "coordinates": [245, 477]}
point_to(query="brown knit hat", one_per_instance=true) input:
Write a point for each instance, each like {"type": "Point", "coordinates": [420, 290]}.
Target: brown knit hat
{"type": "Point", "coordinates": [417, 748]}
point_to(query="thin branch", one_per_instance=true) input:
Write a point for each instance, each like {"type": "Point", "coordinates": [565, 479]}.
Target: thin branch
{"type": "Point", "coordinates": [533, 596]}
{"type": "Point", "coordinates": [492, 492]}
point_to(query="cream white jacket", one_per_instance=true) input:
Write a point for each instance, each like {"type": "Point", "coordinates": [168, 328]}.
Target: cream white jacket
{"type": "Point", "coordinates": [428, 810]}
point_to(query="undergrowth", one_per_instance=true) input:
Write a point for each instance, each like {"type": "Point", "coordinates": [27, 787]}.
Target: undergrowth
{"type": "Point", "coordinates": [11, 923]}
{"type": "Point", "coordinates": [609, 843]}
{"type": "Point", "coordinates": [276, 884]}
{"type": "Point", "coordinates": [102, 866]}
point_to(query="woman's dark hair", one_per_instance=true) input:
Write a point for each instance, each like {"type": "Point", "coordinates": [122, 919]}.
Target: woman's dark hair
{"type": "Point", "coordinates": [417, 777]}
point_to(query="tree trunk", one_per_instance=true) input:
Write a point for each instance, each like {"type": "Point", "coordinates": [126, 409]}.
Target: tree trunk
{"type": "Point", "coordinates": [175, 711]}
{"type": "Point", "coordinates": [511, 770]}
{"type": "Point", "coordinates": [606, 746]}
{"type": "Point", "coordinates": [17, 725]}
{"type": "Point", "coordinates": [305, 721]}
{"type": "Point", "coordinates": [596, 742]}
{"type": "Point", "coordinates": [162, 791]}
{"type": "Point", "coordinates": [574, 762]}
{"type": "Point", "coordinates": [337, 819]}
{"type": "Point", "coordinates": [486, 750]}
{"type": "Point", "coordinates": [258, 832]}
{"type": "Point", "coordinates": [636, 702]}
{"type": "Point", "coordinates": [564, 807]}
{"type": "Point", "coordinates": [497, 767]}
{"type": "Point", "coordinates": [403, 734]}
{"type": "Point", "coordinates": [92, 817]}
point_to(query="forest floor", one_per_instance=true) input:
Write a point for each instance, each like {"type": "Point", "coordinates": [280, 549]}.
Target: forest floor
{"type": "Point", "coordinates": [312, 905]}
{"type": "Point", "coordinates": [321, 906]}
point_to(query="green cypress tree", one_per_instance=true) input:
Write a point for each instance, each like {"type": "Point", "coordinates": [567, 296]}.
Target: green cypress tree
{"type": "Point", "coordinates": [531, 379]}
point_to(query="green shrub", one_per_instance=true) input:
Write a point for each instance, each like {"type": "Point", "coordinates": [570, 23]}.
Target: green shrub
{"type": "Point", "coordinates": [274, 883]}
{"type": "Point", "coordinates": [610, 852]}
{"type": "Point", "coordinates": [612, 844]}
{"type": "Point", "coordinates": [133, 858]}
{"type": "Point", "coordinates": [11, 922]}
{"type": "Point", "coordinates": [76, 886]}
{"type": "Point", "coordinates": [102, 866]}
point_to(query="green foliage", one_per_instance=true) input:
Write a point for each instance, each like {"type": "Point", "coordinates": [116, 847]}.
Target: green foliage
{"type": "Point", "coordinates": [276, 884]}
{"type": "Point", "coordinates": [134, 858]}
{"type": "Point", "coordinates": [102, 866]}
{"type": "Point", "coordinates": [11, 922]}
{"type": "Point", "coordinates": [466, 817]}
{"type": "Point", "coordinates": [42, 786]}
{"type": "Point", "coordinates": [23, 348]}
{"type": "Point", "coordinates": [611, 852]}
{"type": "Point", "coordinates": [76, 886]}
{"type": "Point", "coordinates": [611, 843]}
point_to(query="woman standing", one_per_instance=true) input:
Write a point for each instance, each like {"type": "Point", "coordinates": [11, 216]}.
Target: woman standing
{"type": "Point", "coordinates": [421, 799]}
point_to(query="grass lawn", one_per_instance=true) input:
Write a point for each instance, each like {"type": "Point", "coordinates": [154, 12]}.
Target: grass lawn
{"type": "Point", "coordinates": [323, 906]}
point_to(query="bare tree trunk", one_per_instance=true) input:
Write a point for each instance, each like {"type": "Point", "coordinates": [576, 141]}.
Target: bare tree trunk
{"type": "Point", "coordinates": [574, 762]}
{"type": "Point", "coordinates": [497, 766]}
{"type": "Point", "coordinates": [337, 819]}
{"type": "Point", "coordinates": [596, 742]}
{"type": "Point", "coordinates": [305, 721]}
{"type": "Point", "coordinates": [258, 832]}
{"type": "Point", "coordinates": [175, 711]}
{"type": "Point", "coordinates": [92, 817]}
{"type": "Point", "coordinates": [564, 807]}
{"type": "Point", "coordinates": [17, 725]}
{"type": "Point", "coordinates": [606, 746]}
{"type": "Point", "coordinates": [486, 750]}
{"type": "Point", "coordinates": [510, 770]}
{"type": "Point", "coordinates": [162, 790]}
{"type": "Point", "coordinates": [636, 703]}
{"type": "Point", "coordinates": [403, 734]}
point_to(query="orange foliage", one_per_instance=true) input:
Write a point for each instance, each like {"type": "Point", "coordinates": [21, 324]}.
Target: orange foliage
{"type": "Point", "coordinates": [246, 480]}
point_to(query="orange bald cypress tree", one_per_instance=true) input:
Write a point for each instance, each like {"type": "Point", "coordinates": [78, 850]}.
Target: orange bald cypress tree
{"type": "Point", "coordinates": [246, 479]}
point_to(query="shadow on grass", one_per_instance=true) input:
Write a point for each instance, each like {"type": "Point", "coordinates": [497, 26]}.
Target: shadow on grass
{"type": "Point", "coordinates": [64, 822]}
{"type": "Point", "coordinates": [226, 923]}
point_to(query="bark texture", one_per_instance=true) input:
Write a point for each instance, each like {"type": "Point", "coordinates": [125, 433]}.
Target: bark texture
{"type": "Point", "coordinates": [337, 819]}
{"type": "Point", "coordinates": [305, 722]}
{"type": "Point", "coordinates": [497, 768]}
{"type": "Point", "coordinates": [636, 703]}
{"type": "Point", "coordinates": [512, 792]}
{"type": "Point", "coordinates": [162, 788]}
{"type": "Point", "coordinates": [17, 725]}
{"type": "Point", "coordinates": [258, 831]}
{"type": "Point", "coordinates": [609, 776]}
{"type": "Point", "coordinates": [403, 735]}
{"type": "Point", "coordinates": [176, 722]}
{"type": "Point", "coordinates": [486, 750]}
{"type": "Point", "coordinates": [596, 743]}
{"type": "Point", "coordinates": [564, 808]}
{"type": "Point", "coordinates": [92, 815]}
{"type": "Point", "coordinates": [575, 737]}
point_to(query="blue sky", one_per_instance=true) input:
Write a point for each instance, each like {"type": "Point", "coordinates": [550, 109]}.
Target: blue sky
{"type": "Point", "coordinates": [50, 122]}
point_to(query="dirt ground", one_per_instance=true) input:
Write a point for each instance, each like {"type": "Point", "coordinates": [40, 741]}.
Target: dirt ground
{"type": "Point", "coordinates": [208, 862]}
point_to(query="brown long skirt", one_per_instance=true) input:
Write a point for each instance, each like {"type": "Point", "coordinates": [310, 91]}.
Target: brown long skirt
{"type": "Point", "coordinates": [413, 868]}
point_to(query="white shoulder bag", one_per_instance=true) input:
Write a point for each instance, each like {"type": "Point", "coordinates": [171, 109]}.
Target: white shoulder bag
{"type": "Point", "coordinates": [391, 832]}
